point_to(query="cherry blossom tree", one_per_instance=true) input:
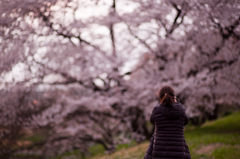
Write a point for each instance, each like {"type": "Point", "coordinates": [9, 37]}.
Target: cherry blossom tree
{"type": "Point", "coordinates": [107, 59]}
{"type": "Point", "coordinates": [197, 54]}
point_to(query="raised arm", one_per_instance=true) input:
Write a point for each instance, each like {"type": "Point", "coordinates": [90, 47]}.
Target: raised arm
{"type": "Point", "coordinates": [152, 117]}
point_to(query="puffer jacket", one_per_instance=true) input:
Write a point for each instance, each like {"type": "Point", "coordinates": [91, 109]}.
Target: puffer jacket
{"type": "Point", "coordinates": [168, 140]}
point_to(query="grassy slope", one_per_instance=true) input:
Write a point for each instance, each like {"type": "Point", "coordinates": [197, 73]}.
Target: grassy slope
{"type": "Point", "coordinates": [218, 139]}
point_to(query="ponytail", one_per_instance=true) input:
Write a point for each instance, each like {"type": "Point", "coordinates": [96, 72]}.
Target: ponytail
{"type": "Point", "coordinates": [166, 96]}
{"type": "Point", "coordinates": [167, 100]}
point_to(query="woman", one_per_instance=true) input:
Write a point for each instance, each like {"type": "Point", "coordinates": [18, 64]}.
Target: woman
{"type": "Point", "coordinates": [168, 118]}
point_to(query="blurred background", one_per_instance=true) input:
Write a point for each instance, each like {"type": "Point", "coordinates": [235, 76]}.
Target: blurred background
{"type": "Point", "coordinates": [80, 77]}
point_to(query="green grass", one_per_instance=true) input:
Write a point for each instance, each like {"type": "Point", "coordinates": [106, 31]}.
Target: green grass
{"type": "Point", "coordinates": [75, 154]}
{"type": "Point", "coordinates": [96, 149]}
{"type": "Point", "coordinates": [34, 138]}
{"type": "Point", "coordinates": [218, 139]}
{"type": "Point", "coordinates": [134, 152]}
{"type": "Point", "coordinates": [124, 146]}
{"type": "Point", "coordinates": [230, 152]}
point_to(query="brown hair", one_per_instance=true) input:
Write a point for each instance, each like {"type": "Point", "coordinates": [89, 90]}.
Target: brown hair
{"type": "Point", "coordinates": [166, 95]}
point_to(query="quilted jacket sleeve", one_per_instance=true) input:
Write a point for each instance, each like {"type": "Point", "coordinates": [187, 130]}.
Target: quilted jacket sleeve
{"type": "Point", "coordinates": [152, 117]}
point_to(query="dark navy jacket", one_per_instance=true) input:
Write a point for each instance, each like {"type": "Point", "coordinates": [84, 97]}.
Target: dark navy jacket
{"type": "Point", "coordinates": [168, 140]}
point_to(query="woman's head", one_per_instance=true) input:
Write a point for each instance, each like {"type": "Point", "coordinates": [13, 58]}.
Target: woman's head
{"type": "Point", "coordinates": [166, 95]}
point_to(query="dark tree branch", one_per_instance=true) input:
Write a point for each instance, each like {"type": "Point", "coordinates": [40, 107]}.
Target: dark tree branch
{"type": "Point", "coordinates": [175, 24]}
{"type": "Point", "coordinates": [162, 23]}
{"type": "Point", "coordinates": [113, 13]}
{"type": "Point", "coordinates": [228, 31]}
{"type": "Point", "coordinates": [180, 14]}
{"type": "Point", "coordinates": [142, 41]}
{"type": "Point", "coordinates": [68, 35]}
{"type": "Point", "coordinates": [216, 65]}
{"type": "Point", "coordinates": [68, 79]}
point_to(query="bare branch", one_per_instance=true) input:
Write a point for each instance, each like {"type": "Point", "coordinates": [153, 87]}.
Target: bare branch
{"type": "Point", "coordinates": [142, 41]}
